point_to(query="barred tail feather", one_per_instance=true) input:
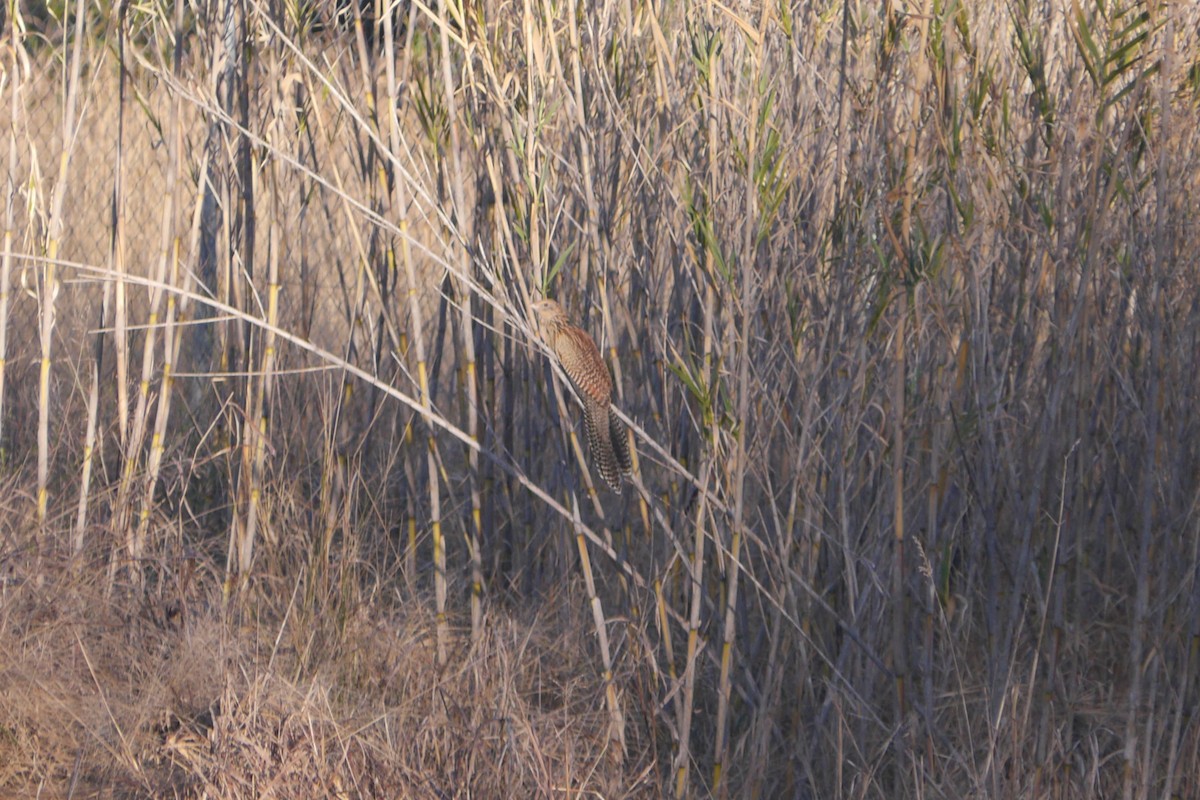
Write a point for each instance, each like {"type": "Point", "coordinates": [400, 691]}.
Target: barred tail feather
{"type": "Point", "coordinates": [620, 441]}
{"type": "Point", "coordinates": [600, 442]}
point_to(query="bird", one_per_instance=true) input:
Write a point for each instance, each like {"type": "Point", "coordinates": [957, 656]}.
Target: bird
{"type": "Point", "coordinates": [579, 357]}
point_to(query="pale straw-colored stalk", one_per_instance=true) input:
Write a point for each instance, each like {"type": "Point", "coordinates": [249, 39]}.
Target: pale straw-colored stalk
{"type": "Point", "coordinates": [466, 330]}
{"type": "Point", "coordinates": [401, 208]}
{"type": "Point", "coordinates": [93, 414]}
{"type": "Point", "coordinates": [392, 136]}
{"type": "Point", "coordinates": [16, 80]}
{"type": "Point", "coordinates": [616, 732]}
{"type": "Point", "coordinates": [48, 286]}
{"type": "Point", "coordinates": [168, 271]}
{"type": "Point", "coordinates": [261, 384]}
{"type": "Point", "coordinates": [135, 531]}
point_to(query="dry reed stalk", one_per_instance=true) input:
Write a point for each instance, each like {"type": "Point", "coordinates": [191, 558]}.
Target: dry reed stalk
{"type": "Point", "coordinates": [777, 643]}
{"type": "Point", "coordinates": [526, 172]}
{"type": "Point", "coordinates": [255, 383]}
{"type": "Point", "coordinates": [93, 415]}
{"type": "Point", "coordinates": [682, 764]}
{"type": "Point", "coordinates": [15, 79]}
{"type": "Point", "coordinates": [219, 212]}
{"type": "Point", "coordinates": [462, 236]}
{"type": "Point", "coordinates": [392, 137]}
{"type": "Point", "coordinates": [616, 730]}
{"type": "Point", "coordinates": [137, 531]}
{"type": "Point", "coordinates": [168, 272]}
{"type": "Point", "coordinates": [508, 283]}
{"type": "Point", "coordinates": [518, 376]}
{"type": "Point", "coordinates": [401, 208]}
{"type": "Point", "coordinates": [668, 644]}
{"type": "Point", "coordinates": [344, 432]}
{"type": "Point", "coordinates": [261, 383]}
{"type": "Point", "coordinates": [48, 285]}
{"type": "Point", "coordinates": [591, 223]}
{"type": "Point", "coordinates": [649, 393]}
{"type": "Point", "coordinates": [376, 165]}
{"type": "Point", "coordinates": [240, 340]}
{"type": "Point", "coordinates": [116, 260]}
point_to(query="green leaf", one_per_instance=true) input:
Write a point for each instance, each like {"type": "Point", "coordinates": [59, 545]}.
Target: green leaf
{"type": "Point", "coordinates": [558, 265]}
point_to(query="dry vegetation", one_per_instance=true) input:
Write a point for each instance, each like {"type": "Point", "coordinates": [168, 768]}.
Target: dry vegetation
{"type": "Point", "coordinates": [900, 298]}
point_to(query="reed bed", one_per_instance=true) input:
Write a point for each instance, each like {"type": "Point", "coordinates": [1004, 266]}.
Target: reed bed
{"type": "Point", "coordinates": [900, 303]}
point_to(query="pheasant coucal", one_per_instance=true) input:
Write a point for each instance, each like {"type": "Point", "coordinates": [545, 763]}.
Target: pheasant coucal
{"type": "Point", "coordinates": [581, 360]}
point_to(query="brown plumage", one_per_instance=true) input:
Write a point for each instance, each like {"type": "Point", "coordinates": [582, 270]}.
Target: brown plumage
{"type": "Point", "coordinates": [581, 360]}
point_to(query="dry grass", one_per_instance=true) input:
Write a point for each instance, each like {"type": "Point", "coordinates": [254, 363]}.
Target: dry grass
{"type": "Point", "coordinates": [900, 300]}
{"type": "Point", "coordinates": [167, 696]}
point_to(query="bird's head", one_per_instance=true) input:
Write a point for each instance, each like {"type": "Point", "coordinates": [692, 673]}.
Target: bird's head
{"type": "Point", "coordinates": [550, 317]}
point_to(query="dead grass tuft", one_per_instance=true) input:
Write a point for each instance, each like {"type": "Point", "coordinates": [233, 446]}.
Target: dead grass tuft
{"type": "Point", "coordinates": [108, 696]}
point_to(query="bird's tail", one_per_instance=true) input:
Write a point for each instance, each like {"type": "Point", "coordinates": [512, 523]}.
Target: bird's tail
{"type": "Point", "coordinates": [620, 441]}
{"type": "Point", "coordinates": [607, 443]}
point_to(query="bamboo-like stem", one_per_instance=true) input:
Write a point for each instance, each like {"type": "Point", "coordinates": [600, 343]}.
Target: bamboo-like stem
{"type": "Point", "coordinates": [392, 137]}
{"type": "Point", "coordinates": [179, 296]}
{"type": "Point", "coordinates": [169, 272]}
{"type": "Point", "coordinates": [519, 281]}
{"type": "Point", "coordinates": [218, 215]}
{"type": "Point", "coordinates": [466, 321]}
{"type": "Point", "coordinates": [489, 521]}
{"type": "Point", "coordinates": [262, 384]}
{"type": "Point", "coordinates": [139, 531]}
{"type": "Point", "coordinates": [683, 758]}
{"type": "Point", "coordinates": [417, 326]}
{"type": "Point", "coordinates": [130, 443]}
{"type": "Point", "coordinates": [502, 177]}
{"type": "Point", "coordinates": [93, 415]}
{"type": "Point", "coordinates": [90, 434]}
{"type": "Point", "coordinates": [668, 643]}
{"type": "Point", "coordinates": [366, 270]}
{"type": "Point", "coordinates": [116, 259]}
{"type": "Point", "coordinates": [701, 532]}
{"type": "Point", "coordinates": [16, 77]}
{"type": "Point", "coordinates": [616, 731]}
{"type": "Point", "coordinates": [591, 225]}
{"type": "Point", "coordinates": [240, 355]}
{"type": "Point", "coordinates": [778, 668]}
{"type": "Point", "coordinates": [48, 286]}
